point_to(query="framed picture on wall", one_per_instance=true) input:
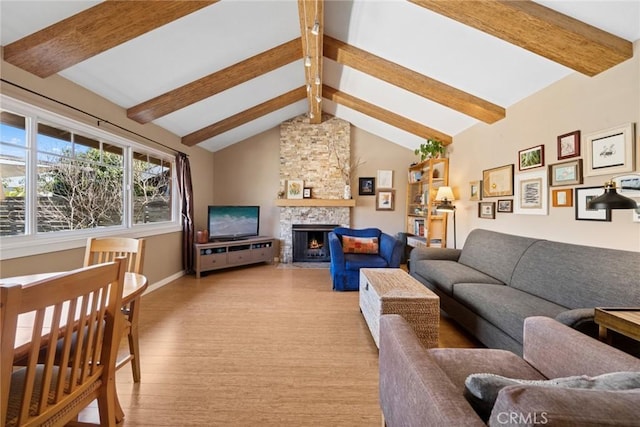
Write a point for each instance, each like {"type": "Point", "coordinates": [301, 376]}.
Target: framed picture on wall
{"type": "Point", "coordinates": [531, 193]}
{"type": "Point", "coordinates": [562, 198]}
{"type": "Point", "coordinates": [629, 185]}
{"type": "Point", "coordinates": [295, 188]}
{"type": "Point", "coordinates": [497, 181]}
{"type": "Point", "coordinates": [569, 145]}
{"type": "Point", "coordinates": [531, 158]}
{"type": "Point", "coordinates": [385, 179]}
{"type": "Point", "coordinates": [487, 210]}
{"type": "Point", "coordinates": [610, 151]}
{"type": "Point", "coordinates": [584, 195]}
{"type": "Point", "coordinates": [566, 173]}
{"type": "Point", "coordinates": [505, 205]}
{"type": "Point", "coordinates": [475, 190]}
{"type": "Point", "coordinates": [385, 200]}
{"type": "Point", "coordinates": [367, 186]}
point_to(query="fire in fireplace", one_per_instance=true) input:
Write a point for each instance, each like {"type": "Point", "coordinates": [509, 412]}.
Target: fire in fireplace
{"type": "Point", "coordinates": [311, 242]}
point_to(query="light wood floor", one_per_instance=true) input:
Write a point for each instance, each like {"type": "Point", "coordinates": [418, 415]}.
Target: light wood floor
{"type": "Point", "coordinates": [256, 346]}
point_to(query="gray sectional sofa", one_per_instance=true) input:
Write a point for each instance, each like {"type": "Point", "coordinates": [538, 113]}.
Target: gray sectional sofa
{"type": "Point", "coordinates": [498, 280]}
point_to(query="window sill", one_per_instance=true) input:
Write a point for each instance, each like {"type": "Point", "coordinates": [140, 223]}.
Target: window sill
{"type": "Point", "coordinates": [22, 246]}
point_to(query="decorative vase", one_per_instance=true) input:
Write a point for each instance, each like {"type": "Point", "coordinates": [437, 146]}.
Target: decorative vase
{"type": "Point", "coordinates": [347, 191]}
{"type": "Point", "coordinates": [202, 236]}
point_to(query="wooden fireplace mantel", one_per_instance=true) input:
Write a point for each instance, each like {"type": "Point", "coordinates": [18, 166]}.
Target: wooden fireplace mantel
{"type": "Point", "coordinates": [332, 203]}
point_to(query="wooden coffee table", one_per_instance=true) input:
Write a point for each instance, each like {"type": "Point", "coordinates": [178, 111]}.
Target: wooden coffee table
{"type": "Point", "coordinates": [624, 320]}
{"type": "Point", "coordinates": [394, 291]}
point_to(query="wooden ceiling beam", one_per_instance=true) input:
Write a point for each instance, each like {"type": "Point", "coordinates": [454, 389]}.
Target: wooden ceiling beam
{"type": "Point", "coordinates": [383, 115]}
{"type": "Point", "coordinates": [246, 116]}
{"type": "Point", "coordinates": [553, 35]}
{"type": "Point", "coordinates": [412, 81]}
{"type": "Point", "coordinates": [311, 12]}
{"type": "Point", "coordinates": [92, 31]}
{"type": "Point", "coordinates": [217, 82]}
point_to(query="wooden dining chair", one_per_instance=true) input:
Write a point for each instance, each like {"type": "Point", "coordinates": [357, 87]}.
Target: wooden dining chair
{"type": "Point", "coordinates": [54, 392]}
{"type": "Point", "coordinates": [107, 249]}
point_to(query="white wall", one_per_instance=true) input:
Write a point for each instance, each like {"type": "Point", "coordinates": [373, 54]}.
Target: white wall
{"type": "Point", "coordinates": [574, 103]}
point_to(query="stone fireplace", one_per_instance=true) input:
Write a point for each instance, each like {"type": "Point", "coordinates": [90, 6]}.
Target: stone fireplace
{"type": "Point", "coordinates": [312, 153]}
{"type": "Point", "coordinates": [312, 215]}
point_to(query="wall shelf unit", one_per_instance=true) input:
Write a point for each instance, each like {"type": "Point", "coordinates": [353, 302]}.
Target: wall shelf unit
{"type": "Point", "coordinates": [424, 225]}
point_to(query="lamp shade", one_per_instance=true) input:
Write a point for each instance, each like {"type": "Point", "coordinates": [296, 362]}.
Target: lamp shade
{"type": "Point", "coordinates": [445, 193]}
{"type": "Point", "coordinates": [611, 199]}
{"type": "Point", "coordinates": [445, 206]}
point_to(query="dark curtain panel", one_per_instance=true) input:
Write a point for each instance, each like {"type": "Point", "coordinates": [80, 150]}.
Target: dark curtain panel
{"type": "Point", "coordinates": [186, 196]}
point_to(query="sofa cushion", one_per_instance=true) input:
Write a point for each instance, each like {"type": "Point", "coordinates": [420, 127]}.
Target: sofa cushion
{"type": "Point", "coordinates": [359, 245]}
{"type": "Point", "coordinates": [551, 406]}
{"type": "Point", "coordinates": [444, 274]}
{"type": "Point", "coordinates": [495, 254]}
{"type": "Point", "coordinates": [578, 276]}
{"type": "Point", "coordinates": [484, 387]}
{"type": "Point", "coordinates": [504, 306]}
{"type": "Point", "coordinates": [355, 262]}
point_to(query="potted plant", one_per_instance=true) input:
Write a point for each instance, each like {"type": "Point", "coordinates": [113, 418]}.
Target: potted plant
{"type": "Point", "coordinates": [433, 148]}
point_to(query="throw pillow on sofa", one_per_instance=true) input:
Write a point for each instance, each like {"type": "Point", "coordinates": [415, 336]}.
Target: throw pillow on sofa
{"type": "Point", "coordinates": [359, 245]}
{"type": "Point", "coordinates": [482, 389]}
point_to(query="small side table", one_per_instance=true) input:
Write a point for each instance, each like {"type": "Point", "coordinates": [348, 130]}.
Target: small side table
{"type": "Point", "coordinates": [624, 320]}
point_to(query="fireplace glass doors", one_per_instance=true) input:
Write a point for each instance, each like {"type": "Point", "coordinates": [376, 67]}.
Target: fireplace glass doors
{"type": "Point", "coordinates": [311, 242]}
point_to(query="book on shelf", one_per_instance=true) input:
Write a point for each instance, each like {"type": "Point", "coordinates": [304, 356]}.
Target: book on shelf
{"type": "Point", "coordinates": [415, 176]}
{"type": "Point", "coordinates": [418, 227]}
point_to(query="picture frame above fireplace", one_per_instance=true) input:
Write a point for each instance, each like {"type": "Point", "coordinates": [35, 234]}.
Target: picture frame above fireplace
{"type": "Point", "coordinates": [295, 188]}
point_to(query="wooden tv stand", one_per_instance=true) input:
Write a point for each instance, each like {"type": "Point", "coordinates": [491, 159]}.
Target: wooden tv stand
{"type": "Point", "coordinates": [223, 254]}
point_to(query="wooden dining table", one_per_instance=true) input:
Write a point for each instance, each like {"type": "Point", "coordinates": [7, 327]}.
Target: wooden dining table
{"type": "Point", "coordinates": [134, 286]}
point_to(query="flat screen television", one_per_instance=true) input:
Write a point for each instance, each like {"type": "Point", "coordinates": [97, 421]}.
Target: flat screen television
{"type": "Point", "coordinates": [233, 222]}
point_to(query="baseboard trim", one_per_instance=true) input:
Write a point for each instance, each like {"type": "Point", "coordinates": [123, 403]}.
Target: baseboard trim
{"type": "Point", "coordinates": [163, 282]}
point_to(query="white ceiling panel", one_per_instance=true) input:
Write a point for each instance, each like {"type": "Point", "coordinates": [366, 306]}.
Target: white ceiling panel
{"type": "Point", "coordinates": [445, 50]}
{"type": "Point", "coordinates": [373, 126]}
{"type": "Point", "coordinates": [395, 99]}
{"type": "Point", "coordinates": [234, 100]}
{"type": "Point", "coordinates": [187, 49]}
{"type": "Point", "coordinates": [19, 18]}
{"type": "Point", "coordinates": [255, 127]}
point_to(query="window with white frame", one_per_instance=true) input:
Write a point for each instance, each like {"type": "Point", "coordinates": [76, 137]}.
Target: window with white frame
{"type": "Point", "coordinates": [61, 177]}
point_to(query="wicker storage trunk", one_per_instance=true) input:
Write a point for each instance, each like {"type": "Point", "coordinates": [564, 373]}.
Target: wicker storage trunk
{"type": "Point", "coordinates": [393, 291]}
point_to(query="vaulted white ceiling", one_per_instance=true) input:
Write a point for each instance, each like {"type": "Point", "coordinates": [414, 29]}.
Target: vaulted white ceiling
{"type": "Point", "coordinates": [230, 31]}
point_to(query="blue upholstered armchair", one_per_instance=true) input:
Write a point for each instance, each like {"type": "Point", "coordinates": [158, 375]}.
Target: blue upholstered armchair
{"type": "Point", "coordinates": [353, 249]}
